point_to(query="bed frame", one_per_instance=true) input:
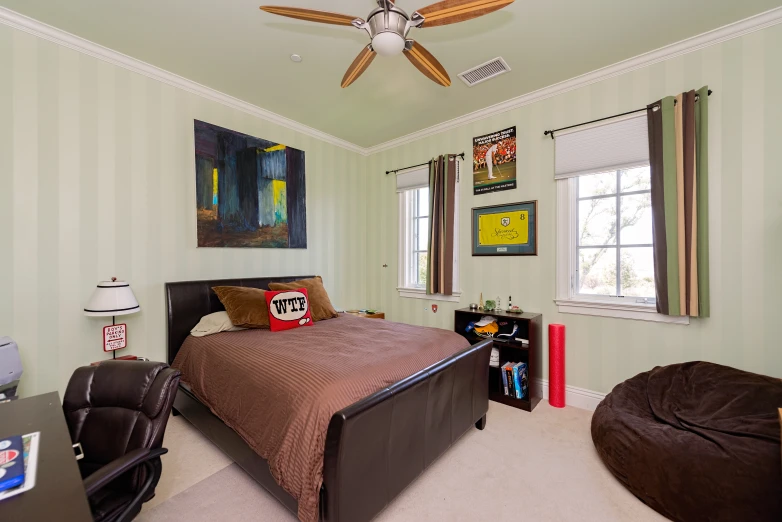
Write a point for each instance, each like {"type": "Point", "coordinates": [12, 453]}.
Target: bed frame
{"type": "Point", "coordinates": [374, 447]}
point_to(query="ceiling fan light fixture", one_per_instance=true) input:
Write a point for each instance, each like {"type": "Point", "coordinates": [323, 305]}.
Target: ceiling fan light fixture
{"type": "Point", "coordinates": [388, 44]}
{"type": "Point", "coordinates": [388, 27]}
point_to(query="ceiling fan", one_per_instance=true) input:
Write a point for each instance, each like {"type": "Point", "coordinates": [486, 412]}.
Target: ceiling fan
{"type": "Point", "coordinates": [388, 27]}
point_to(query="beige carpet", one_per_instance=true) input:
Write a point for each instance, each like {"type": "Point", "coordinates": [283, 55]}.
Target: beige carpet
{"type": "Point", "coordinates": [540, 467]}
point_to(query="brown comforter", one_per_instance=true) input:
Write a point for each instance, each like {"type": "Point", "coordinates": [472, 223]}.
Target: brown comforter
{"type": "Point", "coordinates": [279, 390]}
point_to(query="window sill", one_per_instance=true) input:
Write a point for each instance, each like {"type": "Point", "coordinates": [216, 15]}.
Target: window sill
{"type": "Point", "coordinates": [639, 312]}
{"type": "Point", "coordinates": [420, 293]}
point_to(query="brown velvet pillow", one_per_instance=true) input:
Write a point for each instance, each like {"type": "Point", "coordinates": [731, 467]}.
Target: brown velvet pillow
{"type": "Point", "coordinates": [320, 304]}
{"type": "Point", "coordinates": [246, 307]}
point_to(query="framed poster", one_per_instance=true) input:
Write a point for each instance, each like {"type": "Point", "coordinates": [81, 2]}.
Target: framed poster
{"type": "Point", "coordinates": [494, 161]}
{"type": "Point", "coordinates": [115, 337]}
{"type": "Point", "coordinates": [505, 230]}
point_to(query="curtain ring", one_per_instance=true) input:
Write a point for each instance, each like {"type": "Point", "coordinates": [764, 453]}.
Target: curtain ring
{"type": "Point", "coordinates": [656, 108]}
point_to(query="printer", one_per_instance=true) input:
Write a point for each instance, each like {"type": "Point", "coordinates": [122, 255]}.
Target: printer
{"type": "Point", "coordinates": [10, 368]}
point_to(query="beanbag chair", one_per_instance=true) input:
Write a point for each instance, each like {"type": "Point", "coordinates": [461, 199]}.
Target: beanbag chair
{"type": "Point", "coordinates": [696, 442]}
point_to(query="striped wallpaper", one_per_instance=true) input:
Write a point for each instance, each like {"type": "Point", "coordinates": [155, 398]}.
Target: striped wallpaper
{"type": "Point", "coordinates": [96, 165]}
{"type": "Point", "coordinates": [746, 217]}
{"type": "Point", "coordinates": [97, 180]}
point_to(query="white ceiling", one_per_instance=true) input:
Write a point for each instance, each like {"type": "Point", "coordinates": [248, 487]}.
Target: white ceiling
{"type": "Point", "coordinates": [233, 47]}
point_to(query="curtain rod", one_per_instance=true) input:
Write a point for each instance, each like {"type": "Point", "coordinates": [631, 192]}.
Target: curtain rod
{"type": "Point", "coordinates": [551, 132]}
{"type": "Point", "coordinates": [460, 155]}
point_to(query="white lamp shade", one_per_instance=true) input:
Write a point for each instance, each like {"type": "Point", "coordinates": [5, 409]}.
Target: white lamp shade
{"type": "Point", "coordinates": [112, 298]}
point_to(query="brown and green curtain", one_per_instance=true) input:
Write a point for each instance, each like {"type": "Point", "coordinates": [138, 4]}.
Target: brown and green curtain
{"type": "Point", "coordinates": [442, 195]}
{"type": "Point", "coordinates": [678, 156]}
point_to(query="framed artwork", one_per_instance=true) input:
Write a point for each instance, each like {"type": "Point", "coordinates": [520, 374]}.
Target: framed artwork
{"type": "Point", "coordinates": [494, 161]}
{"type": "Point", "coordinates": [250, 192]}
{"type": "Point", "coordinates": [505, 230]}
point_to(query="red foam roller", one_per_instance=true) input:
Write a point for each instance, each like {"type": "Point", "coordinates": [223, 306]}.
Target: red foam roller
{"type": "Point", "coordinates": [556, 365]}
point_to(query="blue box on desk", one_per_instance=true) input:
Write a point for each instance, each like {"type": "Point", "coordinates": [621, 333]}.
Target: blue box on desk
{"type": "Point", "coordinates": [11, 462]}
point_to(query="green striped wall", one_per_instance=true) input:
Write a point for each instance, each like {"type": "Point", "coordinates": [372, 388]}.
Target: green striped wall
{"type": "Point", "coordinates": [745, 221]}
{"type": "Point", "coordinates": [96, 165]}
{"type": "Point", "coordinates": [97, 180]}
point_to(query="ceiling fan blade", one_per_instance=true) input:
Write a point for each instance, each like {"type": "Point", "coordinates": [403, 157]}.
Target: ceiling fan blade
{"type": "Point", "coordinates": [427, 64]}
{"type": "Point", "coordinates": [358, 66]}
{"type": "Point", "coordinates": [309, 15]}
{"type": "Point", "coordinates": [453, 11]}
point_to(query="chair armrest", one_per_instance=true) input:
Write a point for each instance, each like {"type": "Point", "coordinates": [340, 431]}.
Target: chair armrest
{"type": "Point", "coordinates": [117, 467]}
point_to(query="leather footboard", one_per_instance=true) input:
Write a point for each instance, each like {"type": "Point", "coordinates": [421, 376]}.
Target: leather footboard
{"type": "Point", "coordinates": [379, 445]}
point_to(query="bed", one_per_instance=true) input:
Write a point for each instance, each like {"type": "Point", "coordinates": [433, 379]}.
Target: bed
{"type": "Point", "coordinates": [374, 447]}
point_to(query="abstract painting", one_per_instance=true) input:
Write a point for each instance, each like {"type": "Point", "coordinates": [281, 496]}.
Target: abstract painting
{"type": "Point", "coordinates": [250, 192]}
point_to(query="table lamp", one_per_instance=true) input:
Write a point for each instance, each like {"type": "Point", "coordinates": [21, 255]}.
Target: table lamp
{"type": "Point", "coordinates": [112, 298]}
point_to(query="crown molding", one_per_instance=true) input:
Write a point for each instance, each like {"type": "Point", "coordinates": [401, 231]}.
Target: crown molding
{"type": "Point", "coordinates": [71, 41]}
{"type": "Point", "coordinates": [713, 37]}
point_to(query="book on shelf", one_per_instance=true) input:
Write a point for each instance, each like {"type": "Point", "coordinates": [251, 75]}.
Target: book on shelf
{"type": "Point", "coordinates": [508, 371]}
{"type": "Point", "coordinates": [515, 379]}
{"type": "Point", "coordinates": [520, 379]}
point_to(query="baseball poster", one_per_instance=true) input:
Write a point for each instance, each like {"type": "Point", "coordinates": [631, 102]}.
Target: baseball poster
{"type": "Point", "coordinates": [494, 161]}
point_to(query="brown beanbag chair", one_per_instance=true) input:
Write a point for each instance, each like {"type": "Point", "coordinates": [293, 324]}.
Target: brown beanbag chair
{"type": "Point", "coordinates": [696, 442]}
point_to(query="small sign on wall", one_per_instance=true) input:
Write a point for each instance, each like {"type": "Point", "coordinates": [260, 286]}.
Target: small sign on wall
{"type": "Point", "coordinates": [115, 337]}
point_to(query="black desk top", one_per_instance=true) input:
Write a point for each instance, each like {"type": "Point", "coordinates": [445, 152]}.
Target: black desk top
{"type": "Point", "coordinates": [58, 493]}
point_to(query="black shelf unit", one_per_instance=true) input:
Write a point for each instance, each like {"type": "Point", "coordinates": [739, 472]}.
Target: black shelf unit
{"type": "Point", "coordinates": [530, 325]}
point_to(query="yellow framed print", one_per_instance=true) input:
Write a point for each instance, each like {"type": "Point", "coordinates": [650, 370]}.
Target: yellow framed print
{"type": "Point", "coordinates": [505, 230]}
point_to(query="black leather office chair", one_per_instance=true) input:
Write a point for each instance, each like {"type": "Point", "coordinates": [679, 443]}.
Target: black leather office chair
{"type": "Point", "coordinates": [118, 412]}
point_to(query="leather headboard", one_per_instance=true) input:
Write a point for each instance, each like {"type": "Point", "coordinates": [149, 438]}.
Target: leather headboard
{"type": "Point", "coordinates": [188, 301]}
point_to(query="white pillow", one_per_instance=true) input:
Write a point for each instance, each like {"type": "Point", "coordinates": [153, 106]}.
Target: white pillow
{"type": "Point", "coordinates": [214, 323]}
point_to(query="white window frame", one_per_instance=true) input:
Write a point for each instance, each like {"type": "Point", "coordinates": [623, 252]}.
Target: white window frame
{"type": "Point", "coordinates": [568, 299]}
{"type": "Point", "coordinates": [406, 248]}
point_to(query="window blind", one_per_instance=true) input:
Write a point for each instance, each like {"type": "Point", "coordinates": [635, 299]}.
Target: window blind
{"type": "Point", "coordinates": [412, 179]}
{"type": "Point", "coordinates": [613, 145]}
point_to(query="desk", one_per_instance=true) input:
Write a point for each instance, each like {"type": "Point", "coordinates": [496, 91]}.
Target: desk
{"type": "Point", "coordinates": [58, 493]}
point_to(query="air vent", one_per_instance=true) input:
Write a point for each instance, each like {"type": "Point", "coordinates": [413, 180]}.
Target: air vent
{"type": "Point", "coordinates": [484, 71]}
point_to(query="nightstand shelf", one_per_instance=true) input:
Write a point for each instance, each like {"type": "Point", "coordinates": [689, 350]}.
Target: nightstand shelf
{"type": "Point", "coordinates": [530, 325]}
{"type": "Point", "coordinates": [358, 313]}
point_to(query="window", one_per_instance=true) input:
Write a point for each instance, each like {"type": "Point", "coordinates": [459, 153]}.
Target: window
{"type": "Point", "coordinates": [614, 239]}
{"type": "Point", "coordinates": [605, 258]}
{"type": "Point", "coordinates": [413, 189]}
{"type": "Point", "coordinates": [418, 237]}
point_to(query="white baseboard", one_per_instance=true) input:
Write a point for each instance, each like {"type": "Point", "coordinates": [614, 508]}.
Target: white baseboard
{"type": "Point", "coordinates": [574, 396]}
